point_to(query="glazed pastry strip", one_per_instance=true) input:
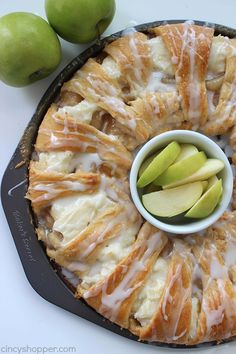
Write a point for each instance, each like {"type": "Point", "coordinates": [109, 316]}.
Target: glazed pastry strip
{"type": "Point", "coordinates": [189, 46]}
{"type": "Point", "coordinates": [217, 318]}
{"type": "Point", "coordinates": [92, 83]}
{"type": "Point", "coordinates": [224, 116]}
{"type": "Point", "coordinates": [44, 187]}
{"type": "Point", "coordinates": [218, 315]}
{"type": "Point", "coordinates": [83, 246]}
{"type": "Point", "coordinates": [225, 238]}
{"type": "Point", "coordinates": [160, 111]}
{"type": "Point", "coordinates": [132, 54]}
{"type": "Point", "coordinates": [171, 322]}
{"type": "Point", "coordinates": [114, 296]}
{"type": "Point", "coordinates": [60, 134]}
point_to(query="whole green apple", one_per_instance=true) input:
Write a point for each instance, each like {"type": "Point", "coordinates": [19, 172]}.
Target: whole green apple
{"type": "Point", "coordinates": [29, 49]}
{"type": "Point", "coordinates": [80, 21]}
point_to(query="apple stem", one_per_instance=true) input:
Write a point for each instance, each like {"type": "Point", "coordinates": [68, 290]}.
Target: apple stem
{"type": "Point", "coordinates": [98, 33]}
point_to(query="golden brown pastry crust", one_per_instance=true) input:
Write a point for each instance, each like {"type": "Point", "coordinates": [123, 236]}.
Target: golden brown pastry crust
{"type": "Point", "coordinates": [160, 111]}
{"type": "Point", "coordinates": [132, 55]}
{"type": "Point", "coordinates": [189, 46]}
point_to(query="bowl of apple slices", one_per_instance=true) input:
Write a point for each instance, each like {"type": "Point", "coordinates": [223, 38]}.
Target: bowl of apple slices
{"type": "Point", "coordinates": [181, 181]}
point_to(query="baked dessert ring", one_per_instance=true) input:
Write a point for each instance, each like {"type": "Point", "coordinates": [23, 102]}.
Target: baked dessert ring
{"type": "Point", "coordinates": [181, 289]}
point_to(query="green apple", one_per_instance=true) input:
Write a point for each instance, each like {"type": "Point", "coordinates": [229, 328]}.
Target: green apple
{"type": "Point", "coordinates": [172, 202]}
{"type": "Point", "coordinates": [29, 49]}
{"type": "Point", "coordinates": [210, 168]}
{"type": "Point", "coordinates": [182, 169]}
{"type": "Point", "coordinates": [80, 21]}
{"type": "Point", "coordinates": [208, 201]}
{"type": "Point", "coordinates": [159, 164]}
{"type": "Point", "coordinates": [186, 151]}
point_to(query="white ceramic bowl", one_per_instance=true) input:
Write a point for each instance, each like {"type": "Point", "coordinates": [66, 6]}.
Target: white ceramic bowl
{"type": "Point", "coordinates": [202, 143]}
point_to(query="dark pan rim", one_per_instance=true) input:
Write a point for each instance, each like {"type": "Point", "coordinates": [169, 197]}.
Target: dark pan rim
{"type": "Point", "coordinates": [43, 277]}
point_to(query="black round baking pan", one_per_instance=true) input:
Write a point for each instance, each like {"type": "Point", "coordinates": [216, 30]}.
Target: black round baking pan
{"type": "Point", "coordinates": [43, 276]}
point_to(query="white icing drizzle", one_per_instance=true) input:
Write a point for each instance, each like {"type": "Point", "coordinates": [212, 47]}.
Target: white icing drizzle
{"type": "Point", "coordinates": [211, 106]}
{"type": "Point", "coordinates": [117, 105]}
{"type": "Point", "coordinates": [213, 317]}
{"type": "Point", "coordinates": [231, 104]}
{"type": "Point", "coordinates": [230, 254]}
{"type": "Point", "coordinates": [117, 220]}
{"type": "Point", "coordinates": [174, 338]}
{"type": "Point", "coordinates": [167, 296]}
{"type": "Point", "coordinates": [217, 270]}
{"type": "Point", "coordinates": [101, 85]}
{"type": "Point", "coordinates": [74, 280]}
{"type": "Point", "coordinates": [189, 41]}
{"type": "Point", "coordinates": [51, 190]}
{"type": "Point", "coordinates": [113, 186]}
{"type": "Point", "coordinates": [73, 140]}
{"type": "Point", "coordinates": [225, 309]}
{"type": "Point", "coordinates": [184, 296]}
{"type": "Point", "coordinates": [138, 64]}
{"type": "Point", "coordinates": [155, 104]}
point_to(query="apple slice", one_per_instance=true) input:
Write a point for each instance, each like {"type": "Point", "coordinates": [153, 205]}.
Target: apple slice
{"type": "Point", "coordinates": [205, 185]}
{"type": "Point", "coordinates": [212, 180]}
{"type": "Point", "coordinates": [173, 201]}
{"type": "Point", "coordinates": [182, 169]}
{"type": "Point", "coordinates": [210, 168]}
{"type": "Point", "coordinates": [186, 151]}
{"type": "Point", "coordinates": [207, 203]}
{"type": "Point", "coordinates": [159, 164]}
{"type": "Point", "coordinates": [145, 164]}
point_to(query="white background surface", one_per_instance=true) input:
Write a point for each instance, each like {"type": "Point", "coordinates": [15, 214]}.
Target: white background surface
{"type": "Point", "coordinates": [25, 318]}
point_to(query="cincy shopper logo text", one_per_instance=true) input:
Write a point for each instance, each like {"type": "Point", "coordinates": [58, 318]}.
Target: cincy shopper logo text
{"type": "Point", "coordinates": [30, 349]}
